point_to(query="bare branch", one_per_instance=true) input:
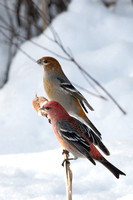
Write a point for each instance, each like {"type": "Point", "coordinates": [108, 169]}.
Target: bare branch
{"type": "Point", "coordinates": [22, 38]}
{"type": "Point", "coordinates": [8, 14]}
{"type": "Point", "coordinates": [87, 91]}
{"type": "Point", "coordinates": [68, 176]}
{"type": "Point", "coordinates": [90, 83]}
{"type": "Point", "coordinates": [100, 86]}
{"type": "Point", "coordinates": [16, 45]}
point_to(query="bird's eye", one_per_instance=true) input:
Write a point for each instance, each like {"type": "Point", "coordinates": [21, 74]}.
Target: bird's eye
{"type": "Point", "coordinates": [45, 61]}
{"type": "Point", "coordinates": [47, 108]}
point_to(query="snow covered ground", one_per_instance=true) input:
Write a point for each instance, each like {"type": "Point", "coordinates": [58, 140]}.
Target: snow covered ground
{"type": "Point", "coordinates": [101, 40]}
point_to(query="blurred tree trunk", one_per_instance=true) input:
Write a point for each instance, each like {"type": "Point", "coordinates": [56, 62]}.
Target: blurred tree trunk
{"type": "Point", "coordinates": [44, 12]}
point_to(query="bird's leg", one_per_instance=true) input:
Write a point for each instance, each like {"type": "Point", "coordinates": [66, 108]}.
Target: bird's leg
{"type": "Point", "coordinates": [67, 159]}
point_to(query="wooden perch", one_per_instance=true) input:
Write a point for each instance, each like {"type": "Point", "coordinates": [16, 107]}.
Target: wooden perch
{"type": "Point", "coordinates": [68, 175]}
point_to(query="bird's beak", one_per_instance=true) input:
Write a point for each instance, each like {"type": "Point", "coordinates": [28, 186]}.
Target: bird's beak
{"type": "Point", "coordinates": [39, 61]}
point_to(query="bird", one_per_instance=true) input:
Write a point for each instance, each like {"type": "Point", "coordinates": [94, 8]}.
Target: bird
{"type": "Point", "coordinates": [58, 88]}
{"type": "Point", "coordinates": [76, 138]}
{"type": "Point", "coordinates": [38, 106]}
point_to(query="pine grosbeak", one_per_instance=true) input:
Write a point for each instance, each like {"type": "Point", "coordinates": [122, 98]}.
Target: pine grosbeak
{"type": "Point", "coordinates": [76, 137]}
{"type": "Point", "coordinates": [59, 88]}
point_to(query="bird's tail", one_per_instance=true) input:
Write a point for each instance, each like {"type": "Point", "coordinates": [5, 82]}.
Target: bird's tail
{"type": "Point", "coordinates": [103, 148]}
{"type": "Point", "coordinates": [115, 171]}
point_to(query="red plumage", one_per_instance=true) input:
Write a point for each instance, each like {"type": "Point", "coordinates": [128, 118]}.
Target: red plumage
{"type": "Point", "coordinates": [76, 137]}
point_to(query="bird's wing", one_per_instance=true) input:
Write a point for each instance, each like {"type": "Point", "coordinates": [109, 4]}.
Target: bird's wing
{"type": "Point", "coordinates": [68, 87]}
{"type": "Point", "coordinates": [91, 135]}
{"type": "Point", "coordinates": [69, 133]}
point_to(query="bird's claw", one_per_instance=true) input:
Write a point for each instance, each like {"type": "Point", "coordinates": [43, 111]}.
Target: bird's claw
{"type": "Point", "coordinates": [65, 152]}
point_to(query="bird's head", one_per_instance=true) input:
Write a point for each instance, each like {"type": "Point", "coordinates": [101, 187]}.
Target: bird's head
{"type": "Point", "coordinates": [49, 63]}
{"type": "Point", "coordinates": [50, 105]}
{"type": "Point", "coordinates": [54, 110]}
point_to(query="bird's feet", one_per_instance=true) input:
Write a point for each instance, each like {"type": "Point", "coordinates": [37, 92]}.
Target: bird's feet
{"type": "Point", "coordinates": [67, 155]}
{"type": "Point", "coordinates": [65, 152]}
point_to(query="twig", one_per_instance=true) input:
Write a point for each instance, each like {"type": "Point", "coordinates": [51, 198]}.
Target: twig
{"type": "Point", "coordinates": [16, 45]}
{"type": "Point", "coordinates": [20, 37]}
{"type": "Point", "coordinates": [68, 177]}
{"type": "Point", "coordinates": [35, 93]}
{"type": "Point", "coordinates": [100, 86]}
{"type": "Point", "coordinates": [89, 92]}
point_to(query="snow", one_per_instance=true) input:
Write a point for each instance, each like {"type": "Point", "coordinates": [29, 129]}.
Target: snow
{"type": "Point", "coordinates": [30, 156]}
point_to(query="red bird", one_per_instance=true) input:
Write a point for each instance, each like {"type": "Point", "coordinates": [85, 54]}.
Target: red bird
{"type": "Point", "coordinates": [76, 137]}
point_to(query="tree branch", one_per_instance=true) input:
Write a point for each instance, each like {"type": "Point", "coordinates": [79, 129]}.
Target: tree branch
{"type": "Point", "coordinates": [68, 177]}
